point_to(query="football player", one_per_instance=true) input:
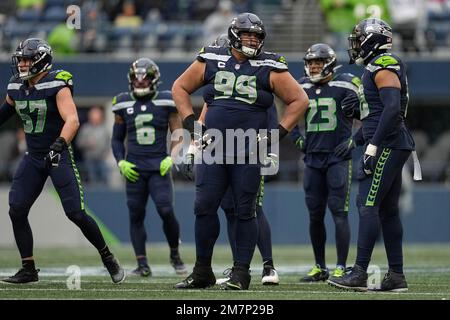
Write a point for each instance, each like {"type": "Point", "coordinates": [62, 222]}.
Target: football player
{"type": "Point", "coordinates": [328, 152]}
{"type": "Point", "coordinates": [142, 117]}
{"type": "Point", "coordinates": [239, 83]}
{"type": "Point", "coordinates": [388, 144]}
{"type": "Point", "coordinates": [43, 100]}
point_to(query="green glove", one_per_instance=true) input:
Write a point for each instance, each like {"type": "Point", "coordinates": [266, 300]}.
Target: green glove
{"type": "Point", "coordinates": [126, 169]}
{"type": "Point", "coordinates": [300, 143]}
{"type": "Point", "coordinates": [165, 165]}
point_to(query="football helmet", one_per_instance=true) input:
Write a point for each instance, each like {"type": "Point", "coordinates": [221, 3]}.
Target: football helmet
{"type": "Point", "coordinates": [320, 51]}
{"type": "Point", "coordinates": [369, 38]}
{"type": "Point", "coordinates": [40, 53]}
{"type": "Point", "coordinates": [221, 41]}
{"type": "Point", "coordinates": [143, 77]}
{"type": "Point", "coordinates": [246, 22]}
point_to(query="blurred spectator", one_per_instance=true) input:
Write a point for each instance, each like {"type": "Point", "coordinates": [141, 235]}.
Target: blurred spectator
{"type": "Point", "coordinates": [218, 21]}
{"type": "Point", "coordinates": [408, 19]}
{"type": "Point", "coordinates": [28, 5]}
{"type": "Point", "coordinates": [340, 19]}
{"type": "Point", "coordinates": [62, 40]}
{"type": "Point", "coordinates": [128, 17]}
{"type": "Point", "coordinates": [371, 9]}
{"type": "Point", "coordinates": [94, 142]}
{"type": "Point", "coordinates": [94, 22]}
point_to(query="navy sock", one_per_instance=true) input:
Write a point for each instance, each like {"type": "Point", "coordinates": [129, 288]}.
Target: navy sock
{"type": "Point", "coordinates": [342, 235]}
{"type": "Point", "coordinates": [207, 228]}
{"type": "Point", "coordinates": [142, 261]}
{"type": "Point", "coordinates": [264, 235]}
{"type": "Point", "coordinates": [369, 228]}
{"type": "Point", "coordinates": [393, 238]}
{"type": "Point", "coordinates": [104, 252]}
{"type": "Point", "coordinates": [28, 264]}
{"type": "Point", "coordinates": [22, 231]}
{"type": "Point", "coordinates": [138, 235]}
{"type": "Point", "coordinates": [231, 230]}
{"type": "Point", "coordinates": [246, 238]}
{"type": "Point", "coordinates": [318, 236]}
{"type": "Point", "coordinates": [171, 227]}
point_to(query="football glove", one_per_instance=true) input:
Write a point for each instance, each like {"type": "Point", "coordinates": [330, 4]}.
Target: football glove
{"type": "Point", "coordinates": [271, 160]}
{"type": "Point", "coordinates": [370, 159]}
{"type": "Point", "coordinates": [187, 167]}
{"type": "Point", "coordinates": [54, 156]}
{"type": "Point", "coordinates": [126, 169]}
{"type": "Point", "coordinates": [300, 143]}
{"type": "Point", "coordinates": [344, 149]}
{"type": "Point", "coordinates": [350, 106]}
{"type": "Point", "coordinates": [165, 165]}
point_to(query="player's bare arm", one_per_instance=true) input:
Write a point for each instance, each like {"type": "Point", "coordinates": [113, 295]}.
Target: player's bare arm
{"type": "Point", "coordinates": [202, 116]}
{"type": "Point", "coordinates": [387, 79]}
{"type": "Point", "coordinates": [186, 84]}
{"type": "Point", "coordinates": [174, 124]}
{"type": "Point", "coordinates": [68, 112]}
{"type": "Point", "coordinates": [292, 94]}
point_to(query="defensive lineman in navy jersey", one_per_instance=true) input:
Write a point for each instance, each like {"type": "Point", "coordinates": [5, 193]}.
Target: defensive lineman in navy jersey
{"type": "Point", "coordinates": [43, 100]}
{"type": "Point", "coordinates": [143, 116]}
{"type": "Point", "coordinates": [383, 109]}
{"type": "Point", "coordinates": [328, 152]}
{"type": "Point", "coordinates": [239, 83]}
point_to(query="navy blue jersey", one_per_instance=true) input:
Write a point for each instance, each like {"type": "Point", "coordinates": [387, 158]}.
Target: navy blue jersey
{"type": "Point", "coordinates": [326, 126]}
{"type": "Point", "coordinates": [371, 106]}
{"type": "Point", "coordinates": [147, 122]}
{"type": "Point", "coordinates": [238, 95]}
{"type": "Point", "coordinates": [37, 108]}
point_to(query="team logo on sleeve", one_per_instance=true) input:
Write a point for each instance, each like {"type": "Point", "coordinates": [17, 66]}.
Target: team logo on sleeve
{"type": "Point", "coordinates": [130, 110]}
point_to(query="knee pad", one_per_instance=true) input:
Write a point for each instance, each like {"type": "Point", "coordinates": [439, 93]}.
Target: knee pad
{"type": "Point", "coordinates": [76, 216]}
{"type": "Point", "coordinates": [316, 209]}
{"type": "Point", "coordinates": [336, 205]}
{"type": "Point", "coordinates": [135, 206]}
{"type": "Point", "coordinates": [365, 211]}
{"type": "Point", "coordinates": [389, 212]}
{"type": "Point", "coordinates": [247, 215]}
{"type": "Point", "coordinates": [165, 211]}
{"type": "Point", "coordinates": [17, 213]}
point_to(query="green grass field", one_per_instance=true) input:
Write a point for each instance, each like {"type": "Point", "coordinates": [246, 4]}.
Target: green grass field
{"type": "Point", "coordinates": [427, 268]}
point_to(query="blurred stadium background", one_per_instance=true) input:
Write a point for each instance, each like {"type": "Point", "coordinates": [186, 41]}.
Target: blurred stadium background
{"type": "Point", "coordinates": [109, 35]}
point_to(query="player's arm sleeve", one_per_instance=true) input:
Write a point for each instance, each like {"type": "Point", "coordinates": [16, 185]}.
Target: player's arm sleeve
{"type": "Point", "coordinates": [118, 136]}
{"type": "Point", "coordinates": [390, 97]}
{"type": "Point", "coordinates": [6, 111]}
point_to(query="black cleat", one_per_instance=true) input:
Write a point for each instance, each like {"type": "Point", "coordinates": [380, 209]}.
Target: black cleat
{"type": "Point", "coordinates": [240, 279]}
{"type": "Point", "coordinates": [201, 277]}
{"type": "Point", "coordinates": [393, 282]}
{"type": "Point", "coordinates": [178, 265]}
{"type": "Point", "coordinates": [143, 271]}
{"type": "Point", "coordinates": [115, 270]}
{"type": "Point", "coordinates": [23, 276]}
{"type": "Point", "coordinates": [316, 274]}
{"type": "Point", "coordinates": [355, 280]}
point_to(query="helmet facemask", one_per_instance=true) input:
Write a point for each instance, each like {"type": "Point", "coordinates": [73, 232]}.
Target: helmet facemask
{"type": "Point", "coordinates": [246, 23]}
{"type": "Point", "coordinates": [38, 52]}
{"type": "Point", "coordinates": [325, 54]}
{"type": "Point", "coordinates": [143, 79]}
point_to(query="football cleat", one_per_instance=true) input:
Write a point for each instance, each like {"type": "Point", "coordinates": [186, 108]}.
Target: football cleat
{"type": "Point", "coordinates": [23, 276]}
{"type": "Point", "coordinates": [201, 277]}
{"type": "Point", "coordinates": [393, 282]}
{"type": "Point", "coordinates": [356, 280]}
{"type": "Point", "coordinates": [143, 271]}
{"type": "Point", "coordinates": [269, 276]}
{"type": "Point", "coordinates": [178, 265]}
{"type": "Point", "coordinates": [339, 272]}
{"type": "Point", "coordinates": [227, 274]}
{"type": "Point", "coordinates": [240, 279]}
{"type": "Point", "coordinates": [316, 274]}
{"type": "Point", "coordinates": [116, 272]}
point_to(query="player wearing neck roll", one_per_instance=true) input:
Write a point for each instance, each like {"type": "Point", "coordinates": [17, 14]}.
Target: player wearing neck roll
{"type": "Point", "coordinates": [239, 82]}
{"type": "Point", "coordinates": [43, 100]}
{"type": "Point", "coordinates": [143, 117]}
{"type": "Point", "coordinates": [388, 144]}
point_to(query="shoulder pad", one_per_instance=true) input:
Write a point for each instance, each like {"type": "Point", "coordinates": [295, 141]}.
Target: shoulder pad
{"type": "Point", "coordinates": [122, 100]}
{"type": "Point", "coordinates": [64, 76]}
{"type": "Point", "coordinates": [269, 59]}
{"type": "Point", "coordinates": [213, 53]}
{"type": "Point", "coordinates": [349, 78]}
{"type": "Point", "coordinates": [164, 99]}
{"type": "Point", "coordinates": [384, 61]}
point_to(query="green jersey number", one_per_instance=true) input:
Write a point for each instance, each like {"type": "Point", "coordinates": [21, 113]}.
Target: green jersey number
{"type": "Point", "coordinates": [145, 134]}
{"type": "Point", "coordinates": [40, 106]}
{"type": "Point", "coordinates": [363, 105]}
{"type": "Point", "coordinates": [245, 86]}
{"type": "Point", "coordinates": [328, 120]}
